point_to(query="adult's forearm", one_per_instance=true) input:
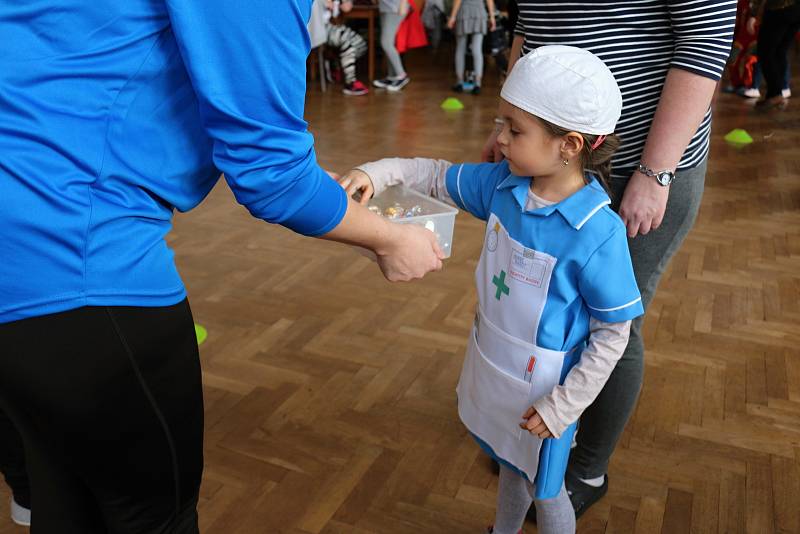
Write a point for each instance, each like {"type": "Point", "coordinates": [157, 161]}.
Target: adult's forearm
{"type": "Point", "coordinates": [363, 228]}
{"type": "Point", "coordinates": [516, 50]}
{"type": "Point", "coordinates": [683, 104]}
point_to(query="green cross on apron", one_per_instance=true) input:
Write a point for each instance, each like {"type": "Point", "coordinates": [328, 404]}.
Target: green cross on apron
{"type": "Point", "coordinates": [501, 285]}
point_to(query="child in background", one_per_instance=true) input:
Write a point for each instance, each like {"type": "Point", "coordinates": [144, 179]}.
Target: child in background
{"type": "Point", "coordinates": [469, 21]}
{"type": "Point", "coordinates": [741, 68]}
{"type": "Point", "coordinates": [556, 289]}
{"type": "Point", "coordinates": [392, 13]}
{"type": "Point", "coordinates": [350, 44]}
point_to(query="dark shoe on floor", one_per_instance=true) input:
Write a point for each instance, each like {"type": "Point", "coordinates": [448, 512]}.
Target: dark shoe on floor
{"type": "Point", "coordinates": [775, 102]}
{"type": "Point", "coordinates": [398, 84]}
{"type": "Point", "coordinates": [459, 87]}
{"type": "Point", "coordinates": [355, 89]}
{"type": "Point", "coordinates": [476, 90]}
{"type": "Point", "coordinates": [383, 83]}
{"type": "Point", "coordinates": [581, 494]}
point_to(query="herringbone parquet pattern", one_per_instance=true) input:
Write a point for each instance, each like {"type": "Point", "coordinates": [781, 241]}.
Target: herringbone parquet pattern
{"type": "Point", "coordinates": [330, 403]}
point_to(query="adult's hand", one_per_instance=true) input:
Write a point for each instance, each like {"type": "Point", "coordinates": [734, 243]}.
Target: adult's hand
{"type": "Point", "coordinates": [410, 252]}
{"type": "Point", "coordinates": [491, 150]}
{"type": "Point", "coordinates": [751, 25]}
{"type": "Point", "coordinates": [403, 251]}
{"type": "Point", "coordinates": [643, 204]}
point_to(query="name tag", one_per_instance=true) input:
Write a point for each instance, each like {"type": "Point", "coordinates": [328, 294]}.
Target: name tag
{"type": "Point", "coordinates": [525, 267]}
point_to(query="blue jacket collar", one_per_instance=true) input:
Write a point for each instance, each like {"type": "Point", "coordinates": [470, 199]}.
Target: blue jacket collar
{"type": "Point", "coordinates": [576, 208]}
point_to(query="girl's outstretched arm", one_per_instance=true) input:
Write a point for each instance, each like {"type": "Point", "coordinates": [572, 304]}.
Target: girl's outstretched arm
{"type": "Point", "coordinates": [428, 176]}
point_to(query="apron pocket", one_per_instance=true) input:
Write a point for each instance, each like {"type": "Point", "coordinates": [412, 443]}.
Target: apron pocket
{"type": "Point", "coordinates": [500, 397]}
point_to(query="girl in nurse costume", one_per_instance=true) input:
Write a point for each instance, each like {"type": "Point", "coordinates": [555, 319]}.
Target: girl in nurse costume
{"type": "Point", "coordinates": [556, 289]}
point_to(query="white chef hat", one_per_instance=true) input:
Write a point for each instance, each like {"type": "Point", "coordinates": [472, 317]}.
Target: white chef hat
{"type": "Point", "coordinates": [566, 86]}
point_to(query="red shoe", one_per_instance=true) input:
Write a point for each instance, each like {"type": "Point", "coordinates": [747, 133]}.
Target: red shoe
{"type": "Point", "coordinates": [355, 89]}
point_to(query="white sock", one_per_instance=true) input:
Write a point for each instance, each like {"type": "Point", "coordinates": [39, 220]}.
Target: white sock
{"type": "Point", "coordinates": [594, 482]}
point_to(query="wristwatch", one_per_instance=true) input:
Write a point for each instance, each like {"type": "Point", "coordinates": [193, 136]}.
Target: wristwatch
{"type": "Point", "coordinates": [664, 178]}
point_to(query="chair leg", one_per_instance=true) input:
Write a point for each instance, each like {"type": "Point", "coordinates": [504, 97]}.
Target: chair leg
{"type": "Point", "coordinates": [321, 61]}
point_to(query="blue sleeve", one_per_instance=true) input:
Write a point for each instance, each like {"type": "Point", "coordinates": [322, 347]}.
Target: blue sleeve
{"type": "Point", "coordinates": [472, 185]}
{"type": "Point", "coordinates": [246, 60]}
{"type": "Point", "coordinates": [607, 283]}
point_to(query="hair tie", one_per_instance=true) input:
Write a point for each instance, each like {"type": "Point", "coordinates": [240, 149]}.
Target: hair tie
{"type": "Point", "coordinates": [598, 141]}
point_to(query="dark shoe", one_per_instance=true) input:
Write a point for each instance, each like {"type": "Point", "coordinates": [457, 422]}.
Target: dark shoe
{"type": "Point", "coordinates": [459, 87]}
{"type": "Point", "coordinates": [775, 102]}
{"type": "Point", "coordinates": [383, 83]}
{"type": "Point", "coordinates": [476, 90]}
{"type": "Point", "coordinates": [398, 84]}
{"type": "Point", "coordinates": [355, 89]}
{"type": "Point", "coordinates": [581, 495]}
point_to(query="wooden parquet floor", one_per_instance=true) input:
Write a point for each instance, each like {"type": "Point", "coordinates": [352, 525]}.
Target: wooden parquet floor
{"type": "Point", "coordinates": [330, 402]}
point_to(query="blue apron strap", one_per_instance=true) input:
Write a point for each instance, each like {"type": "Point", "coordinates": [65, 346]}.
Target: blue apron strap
{"type": "Point", "coordinates": [553, 459]}
{"type": "Point", "coordinates": [554, 454]}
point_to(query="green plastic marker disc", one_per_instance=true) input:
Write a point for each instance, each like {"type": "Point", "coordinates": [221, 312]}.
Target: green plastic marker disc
{"type": "Point", "coordinates": [201, 333]}
{"type": "Point", "coordinates": [452, 104]}
{"type": "Point", "coordinates": [738, 137]}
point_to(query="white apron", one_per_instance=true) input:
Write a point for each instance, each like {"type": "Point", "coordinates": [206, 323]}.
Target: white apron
{"type": "Point", "coordinates": [504, 372]}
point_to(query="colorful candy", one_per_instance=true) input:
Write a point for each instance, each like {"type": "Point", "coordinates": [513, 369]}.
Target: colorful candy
{"type": "Point", "coordinates": [397, 211]}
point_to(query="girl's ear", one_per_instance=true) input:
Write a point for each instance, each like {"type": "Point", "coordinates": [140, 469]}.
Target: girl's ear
{"type": "Point", "coordinates": [571, 144]}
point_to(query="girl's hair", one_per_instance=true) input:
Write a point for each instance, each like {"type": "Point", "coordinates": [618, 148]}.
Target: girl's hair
{"type": "Point", "coordinates": [596, 160]}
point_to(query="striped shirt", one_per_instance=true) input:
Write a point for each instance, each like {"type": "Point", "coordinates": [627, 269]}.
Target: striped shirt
{"type": "Point", "coordinates": [639, 40]}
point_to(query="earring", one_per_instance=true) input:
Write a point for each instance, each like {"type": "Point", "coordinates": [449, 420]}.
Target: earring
{"type": "Point", "coordinates": [565, 161]}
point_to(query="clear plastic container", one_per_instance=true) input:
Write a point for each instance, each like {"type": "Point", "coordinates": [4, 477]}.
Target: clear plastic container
{"type": "Point", "coordinates": [437, 216]}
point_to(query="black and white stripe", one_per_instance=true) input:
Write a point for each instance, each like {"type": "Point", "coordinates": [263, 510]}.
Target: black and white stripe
{"type": "Point", "coordinates": [351, 47]}
{"type": "Point", "coordinates": [639, 40]}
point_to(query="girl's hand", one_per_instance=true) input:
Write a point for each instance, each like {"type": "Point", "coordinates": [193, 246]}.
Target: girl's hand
{"type": "Point", "coordinates": [357, 180]}
{"type": "Point", "coordinates": [492, 23]}
{"type": "Point", "coordinates": [534, 424]}
{"type": "Point", "coordinates": [451, 22]}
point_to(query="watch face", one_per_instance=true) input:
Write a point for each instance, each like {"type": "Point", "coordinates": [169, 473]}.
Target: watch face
{"type": "Point", "coordinates": [665, 178]}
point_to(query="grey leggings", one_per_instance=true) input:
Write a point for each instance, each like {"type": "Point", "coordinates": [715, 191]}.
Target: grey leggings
{"type": "Point", "coordinates": [601, 425]}
{"type": "Point", "coordinates": [476, 47]}
{"type": "Point", "coordinates": [389, 24]}
{"type": "Point", "coordinates": [514, 497]}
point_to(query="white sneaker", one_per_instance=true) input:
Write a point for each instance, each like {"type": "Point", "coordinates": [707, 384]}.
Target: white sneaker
{"type": "Point", "coordinates": [752, 93]}
{"type": "Point", "coordinates": [19, 514]}
{"type": "Point", "coordinates": [787, 93]}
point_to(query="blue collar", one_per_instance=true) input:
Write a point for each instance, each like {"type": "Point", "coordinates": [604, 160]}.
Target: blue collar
{"type": "Point", "coordinates": [576, 208]}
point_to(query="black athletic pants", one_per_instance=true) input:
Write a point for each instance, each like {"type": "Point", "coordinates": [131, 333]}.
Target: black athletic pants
{"type": "Point", "coordinates": [774, 39]}
{"type": "Point", "coordinates": [108, 401]}
{"type": "Point", "coordinates": [12, 461]}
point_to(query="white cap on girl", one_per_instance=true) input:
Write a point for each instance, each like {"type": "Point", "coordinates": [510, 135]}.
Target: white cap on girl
{"type": "Point", "coordinates": [566, 86]}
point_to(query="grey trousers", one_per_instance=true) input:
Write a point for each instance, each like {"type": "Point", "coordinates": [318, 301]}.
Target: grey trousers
{"type": "Point", "coordinates": [602, 424]}
{"type": "Point", "coordinates": [476, 47]}
{"type": "Point", "coordinates": [389, 24]}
